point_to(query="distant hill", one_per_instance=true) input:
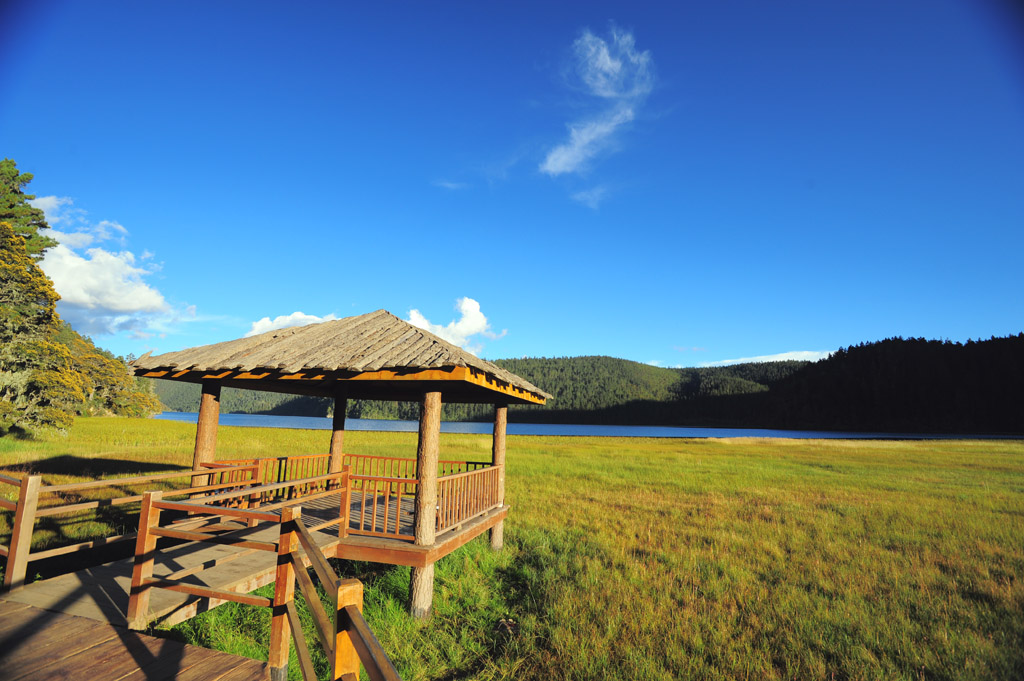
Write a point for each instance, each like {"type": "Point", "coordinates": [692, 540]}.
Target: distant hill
{"type": "Point", "coordinates": [891, 386]}
{"type": "Point", "coordinates": [577, 384]}
{"type": "Point", "coordinates": [908, 385]}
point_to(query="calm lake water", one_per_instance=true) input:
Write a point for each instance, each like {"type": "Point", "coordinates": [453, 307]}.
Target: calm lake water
{"type": "Point", "coordinates": [319, 423]}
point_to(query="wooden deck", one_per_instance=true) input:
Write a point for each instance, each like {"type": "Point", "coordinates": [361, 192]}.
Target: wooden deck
{"type": "Point", "coordinates": [101, 592]}
{"type": "Point", "coordinates": [37, 645]}
{"type": "Point", "coordinates": [75, 625]}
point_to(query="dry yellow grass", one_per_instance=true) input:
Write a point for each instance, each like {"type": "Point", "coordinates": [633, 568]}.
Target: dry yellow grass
{"type": "Point", "coordinates": [662, 559]}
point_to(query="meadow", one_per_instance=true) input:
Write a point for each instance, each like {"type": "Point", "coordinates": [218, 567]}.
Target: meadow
{"type": "Point", "coordinates": [665, 559]}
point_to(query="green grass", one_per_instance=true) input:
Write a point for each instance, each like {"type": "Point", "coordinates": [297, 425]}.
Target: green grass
{"type": "Point", "coordinates": [665, 559]}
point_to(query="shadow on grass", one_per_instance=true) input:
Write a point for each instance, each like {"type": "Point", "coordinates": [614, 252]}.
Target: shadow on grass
{"type": "Point", "coordinates": [85, 467]}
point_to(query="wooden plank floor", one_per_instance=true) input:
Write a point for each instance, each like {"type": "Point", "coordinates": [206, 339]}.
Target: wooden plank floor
{"type": "Point", "coordinates": [37, 645]}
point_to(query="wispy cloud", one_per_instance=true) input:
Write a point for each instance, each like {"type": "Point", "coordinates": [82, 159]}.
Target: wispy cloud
{"type": "Point", "coordinates": [471, 322]}
{"type": "Point", "coordinates": [104, 291]}
{"type": "Point", "coordinates": [802, 355]}
{"type": "Point", "coordinates": [453, 186]}
{"type": "Point", "coordinates": [591, 197]}
{"type": "Point", "coordinates": [620, 77]}
{"type": "Point", "coordinates": [285, 321]}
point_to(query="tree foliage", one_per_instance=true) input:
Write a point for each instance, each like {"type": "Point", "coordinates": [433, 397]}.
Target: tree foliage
{"type": "Point", "coordinates": [15, 209]}
{"type": "Point", "coordinates": [110, 389]}
{"type": "Point", "coordinates": [48, 372]}
{"type": "Point", "coordinates": [39, 386]}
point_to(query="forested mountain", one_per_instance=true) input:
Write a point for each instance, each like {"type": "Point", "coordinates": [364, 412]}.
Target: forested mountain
{"type": "Point", "coordinates": [577, 384]}
{"type": "Point", "coordinates": [912, 384]}
{"type": "Point", "coordinates": [895, 385]}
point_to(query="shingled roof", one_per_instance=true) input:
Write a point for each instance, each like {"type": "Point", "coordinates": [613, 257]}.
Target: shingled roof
{"type": "Point", "coordinates": [371, 356]}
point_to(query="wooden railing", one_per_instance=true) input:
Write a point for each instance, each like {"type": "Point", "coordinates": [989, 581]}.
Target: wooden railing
{"type": "Point", "coordinates": [392, 467]}
{"type": "Point", "coordinates": [347, 640]}
{"type": "Point", "coordinates": [384, 503]}
{"type": "Point", "coordinates": [284, 468]}
{"type": "Point", "coordinates": [463, 496]}
{"type": "Point", "coordinates": [385, 489]}
{"type": "Point", "coordinates": [27, 510]}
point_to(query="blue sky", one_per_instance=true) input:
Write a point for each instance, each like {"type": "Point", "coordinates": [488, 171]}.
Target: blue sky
{"type": "Point", "coordinates": [676, 183]}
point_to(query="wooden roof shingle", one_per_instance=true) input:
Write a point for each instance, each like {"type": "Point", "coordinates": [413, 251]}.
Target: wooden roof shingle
{"type": "Point", "coordinates": [319, 359]}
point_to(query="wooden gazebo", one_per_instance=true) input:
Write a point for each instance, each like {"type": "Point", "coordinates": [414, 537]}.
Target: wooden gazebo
{"type": "Point", "coordinates": [381, 357]}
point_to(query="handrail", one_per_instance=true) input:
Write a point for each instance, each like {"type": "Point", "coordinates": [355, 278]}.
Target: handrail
{"type": "Point", "coordinates": [392, 466]}
{"type": "Point", "coordinates": [348, 641]}
{"type": "Point", "coordinates": [353, 640]}
{"type": "Point", "coordinates": [464, 496]}
{"type": "Point", "coordinates": [27, 509]}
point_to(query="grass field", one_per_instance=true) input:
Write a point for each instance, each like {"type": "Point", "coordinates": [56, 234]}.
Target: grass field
{"type": "Point", "coordinates": [665, 559]}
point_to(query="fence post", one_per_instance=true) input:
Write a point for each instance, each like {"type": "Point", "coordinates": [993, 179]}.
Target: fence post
{"type": "Point", "coordinates": [21, 537]}
{"type": "Point", "coordinates": [346, 659]}
{"type": "Point", "coordinates": [145, 553]}
{"type": "Point", "coordinates": [253, 500]}
{"type": "Point", "coordinates": [346, 501]}
{"type": "Point", "coordinates": [284, 592]}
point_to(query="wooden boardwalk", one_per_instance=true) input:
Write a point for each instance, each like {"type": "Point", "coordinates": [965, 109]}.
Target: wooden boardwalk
{"type": "Point", "coordinates": [101, 592]}
{"type": "Point", "coordinates": [37, 645]}
{"type": "Point", "coordinates": [75, 625]}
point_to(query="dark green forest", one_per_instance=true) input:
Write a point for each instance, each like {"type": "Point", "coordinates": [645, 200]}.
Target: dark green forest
{"type": "Point", "coordinates": [894, 385]}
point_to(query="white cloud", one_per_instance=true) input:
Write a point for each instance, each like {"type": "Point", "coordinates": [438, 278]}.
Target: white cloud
{"type": "Point", "coordinates": [471, 322]}
{"type": "Point", "coordinates": [285, 321]}
{"type": "Point", "coordinates": [801, 355]}
{"type": "Point", "coordinates": [611, 70]}
{"type": "Point", "coordinates": [586, 139]}
{"type": "Point", "coordinates": [591, 197]}
{"type": "Point", "coordinates": [454, 186]}
{"type": "Point", "coordinates": [103, 291]}
{"type": "Point", "coordinates": [58, 209]}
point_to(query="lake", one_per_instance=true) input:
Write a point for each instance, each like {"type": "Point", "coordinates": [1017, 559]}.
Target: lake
{"type": "Point", "coordinates": [323, 423]}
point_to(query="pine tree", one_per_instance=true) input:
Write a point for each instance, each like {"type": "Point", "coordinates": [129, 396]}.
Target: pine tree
{"type": "Point", "coordinates": [39, 386]}
{"type": "Point", "coordinates": [15, 209]}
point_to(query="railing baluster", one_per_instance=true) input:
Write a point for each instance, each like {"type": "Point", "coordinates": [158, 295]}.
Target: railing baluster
{"type": "Point", "coordinates": [376, 486]}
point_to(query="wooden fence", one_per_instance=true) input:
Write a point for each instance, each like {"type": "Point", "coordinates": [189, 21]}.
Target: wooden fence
{"type": "Point", "coordinates": [463, 496]}
{"type": "Point", "coordinates": [384, 489]}
{"type": "Point", "coordinates": [347, 640]}
{"type": "Point", "coordinates": [393, 467]}
{"type": "Point", "coordinates": [283, 469]}
{"type": "Point", "coordinates": [27, 510]}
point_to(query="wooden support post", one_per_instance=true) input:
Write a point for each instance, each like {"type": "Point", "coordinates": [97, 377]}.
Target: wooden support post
{"type": "Point", "coordinates": [346, 659]}
{"type": "Point", "coordinates": [206, 430]}
{"type": "Point", "coordinates": [284, 592]}
{"type": "Point", "coordinates": [145, 553]}
{"type": "Point", "coordinates": [346, 501]}
{"type": "Point", "coordinates": [421, 585]}
{"type": "Point", "coordinates": [498, 460]}
{"type": "Point", "coordinates": [338, 433]}
{"type": "Point", "coordinates": [21, 536]}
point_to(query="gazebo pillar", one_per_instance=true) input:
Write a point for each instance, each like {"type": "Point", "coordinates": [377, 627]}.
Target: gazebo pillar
{"type": "Point", "coordinates": [206, 429]}
{"type": "Point", "coordinates": [498, 460]}
{"type": "Point", "coordinates": [421, 585]}
{"type": "Point", "coordinates": [338, 432]}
